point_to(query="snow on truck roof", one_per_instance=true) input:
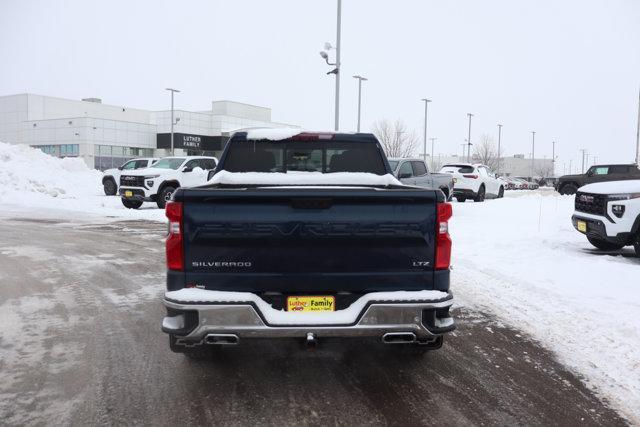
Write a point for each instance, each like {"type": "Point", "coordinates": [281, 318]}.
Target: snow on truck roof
{"type": "Point", "coordinates": [612, 187]}
{"type": "Point", "coordinates": [303, 178]}
{"type": "Point", "coordinates": [280, 134]}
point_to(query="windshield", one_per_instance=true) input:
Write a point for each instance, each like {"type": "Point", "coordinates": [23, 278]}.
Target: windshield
{"type": "Point", "coordinates": [393, 164]}
{"type": "Point", "coordinates": [169, 163]}
{"type": "Point", "coordinates": [304, 156]}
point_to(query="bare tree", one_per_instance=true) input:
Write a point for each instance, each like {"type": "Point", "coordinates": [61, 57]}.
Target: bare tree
{"type": "Point", "coordinates": [544, 169]}
{"type": "Point", "coordinates": [396, 141]}
{"type": "Point", "coordinates": [485, 152]}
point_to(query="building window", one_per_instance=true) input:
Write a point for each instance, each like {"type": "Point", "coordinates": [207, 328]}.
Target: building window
{"type": "Point", "coordinates": [63, 150]}
{"type": "Point", "coordinates": [112, 156]}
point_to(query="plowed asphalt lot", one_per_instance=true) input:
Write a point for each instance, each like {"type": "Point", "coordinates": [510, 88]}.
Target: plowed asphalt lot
{"type": "Point", "coordinates": [80, 344]}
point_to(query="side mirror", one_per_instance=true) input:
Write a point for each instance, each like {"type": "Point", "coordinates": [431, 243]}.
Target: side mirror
{"type": "Point", "coordinates": [404, 176]}
{"type": "Point", "coordinates": [187, 169]}
{"type": "Point", "coordinates": [119, 168]}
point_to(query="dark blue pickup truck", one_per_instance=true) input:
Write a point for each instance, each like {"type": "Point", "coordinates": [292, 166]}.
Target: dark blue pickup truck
{"type": "Point", "coordinates": [306, 236]}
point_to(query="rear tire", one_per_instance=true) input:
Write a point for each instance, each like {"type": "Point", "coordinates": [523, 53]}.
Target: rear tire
{"type": "Point", "coordinates": [636, 244]}
{"type": "Point", "coordinates": [568, 189]}
{"type": "Point", "coordinates": [110, 187]}
{"type": "Point", "coordinates": [131, 204]}
{"type": "Point", "coordinates": [461, 199]}
{"type": "Point", "coordinates": [501, 193]}
{"type": "Point", "coordinates": [604, 245]}
{"type": "Point", "coordinates": [165, 196]}
{"type": "Point", "coordinates": [481, 193]}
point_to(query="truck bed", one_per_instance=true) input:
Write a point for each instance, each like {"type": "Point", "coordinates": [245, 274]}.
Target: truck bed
{"type": "Point", "coordinates": [309, 240]}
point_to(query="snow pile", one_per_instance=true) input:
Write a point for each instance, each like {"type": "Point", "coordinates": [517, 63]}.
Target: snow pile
{"type": "Point", "coordinates": [303, 178]}
{"type": "Point", "coordinates": [27, 173]}
{"type": "Point", "coordinates": [32, 182]}
{"type": "Point", "coordinates": [521, 259]}
{"type": "Point", "coordinates": [277, 317]}
{"type": "Point", "coordinates": [272, 134]}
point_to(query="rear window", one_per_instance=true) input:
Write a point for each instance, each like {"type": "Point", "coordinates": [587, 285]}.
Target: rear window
{"type": "Point", "coordinates": [393, 164]}
{"type": "Point", "coordinates": [303, 156]}
{"type": "Point", "coordinates": [457, 169]}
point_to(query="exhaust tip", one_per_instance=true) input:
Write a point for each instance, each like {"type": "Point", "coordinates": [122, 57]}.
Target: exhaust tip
{"type": "Point", "coordinates": [222, 339]}
{"type": "Point", "coordinates": [399, 338]}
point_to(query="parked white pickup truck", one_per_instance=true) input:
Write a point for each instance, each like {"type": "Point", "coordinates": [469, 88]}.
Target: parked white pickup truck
{"type": "Point", "coordinates": [608, 213]}
{"type": "Point", "coordinates": [111, 177]}
{"type": "Point", "coordinates": [157, 183]}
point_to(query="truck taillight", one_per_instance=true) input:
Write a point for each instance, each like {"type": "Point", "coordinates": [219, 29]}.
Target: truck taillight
{"type": "Point", "coordinates": [443, 240]}
{"type": "Point", "coordinates": [175, 254]}
{"type": "Point", "coordinates": [471, 176]}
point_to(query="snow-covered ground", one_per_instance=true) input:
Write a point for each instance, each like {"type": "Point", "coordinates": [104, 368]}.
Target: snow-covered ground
{"type": "Point", "coordinates": [34, 183]}
{"type": "Point", "coordinates": [517, 257]}
{"type": "Point", "coordinates": [521, 259]}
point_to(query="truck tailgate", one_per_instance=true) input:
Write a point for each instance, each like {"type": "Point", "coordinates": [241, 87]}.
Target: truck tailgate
{"type": "Point", "coordinates": [309, 239]}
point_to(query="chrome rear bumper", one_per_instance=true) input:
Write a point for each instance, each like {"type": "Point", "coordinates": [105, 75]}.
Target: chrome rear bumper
{"type": "Point", "coordinates": [191, 323]}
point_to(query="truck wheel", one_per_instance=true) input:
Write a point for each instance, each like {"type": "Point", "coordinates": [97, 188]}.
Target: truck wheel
{"type": "Point", "coordinates": [461, 199]}
{"type": "Point", "coordinates": [636, 244]}
{"type": "Point", "coordinates": [110, 187]}
{"type": "Point", "coordinates": [165, 196]}
{"type": "Point", "coordinates": [131, 204]}
{"type": "Point", "coordinates": [481, 194]}
{"type": "Point", "coordinates": [501, 193]}
{"type": "Point", "coordinates": [568, 189]}
{"type": "Point", "coordinates": [603, 245]}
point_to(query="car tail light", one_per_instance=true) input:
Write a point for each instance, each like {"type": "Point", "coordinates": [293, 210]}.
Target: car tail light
{"type": "Point", "coordinates": [443, 240]}
{"type": "Point", "coordinates": [471, 176]}
{"type": "Point", "coordinates": [175, 254]}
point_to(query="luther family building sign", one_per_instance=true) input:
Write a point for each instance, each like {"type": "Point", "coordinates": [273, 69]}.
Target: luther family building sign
{"type": "Point", "coordinates": [192, 142]}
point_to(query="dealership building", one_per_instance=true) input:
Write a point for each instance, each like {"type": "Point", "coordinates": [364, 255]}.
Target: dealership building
{"type": "Point", "coordinates": [105, 136]}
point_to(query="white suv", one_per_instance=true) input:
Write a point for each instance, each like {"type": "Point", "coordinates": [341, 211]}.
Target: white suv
{"type": "Point", "coordinates": [608, 213]}
{"type": "Point", "coordinates": [474, 182]}
{"type": "Point", "coordinates": [111, 177]}
{"type": "Point", "coordinates": [157, 183]}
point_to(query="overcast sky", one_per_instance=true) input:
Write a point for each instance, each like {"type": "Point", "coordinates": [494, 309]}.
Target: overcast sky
{"type": "Point", "coordinates": [570, 70]}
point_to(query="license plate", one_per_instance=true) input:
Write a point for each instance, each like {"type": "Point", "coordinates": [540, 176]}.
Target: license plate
{"type": "Point", "coordinates": [128, 193]}
{"type": "Point", "coordinates": [582, 226]}
{"type": "Point", "coordinates": [315, 303]}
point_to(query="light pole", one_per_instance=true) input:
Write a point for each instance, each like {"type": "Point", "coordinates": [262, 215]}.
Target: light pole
{"type": "Point", "coordinates": [469, 140]}
{"type": "Point", "coordinates": [584, 151]}
{"type": "Point", "coordinates": [638, 133]}
{"type": "Point", "coordinates": [172, 111]}
{"type": "Point", "coordinates": [553, 159]}
{"type": "Point", "coordinates": [533, 151]}
{"type": "Point", "coordinates": [336, 70]}
{"type": "Point", "coordinates": [499, 153]}
{"type": "Point", "coordinates": [360, 79]}
{"type": "Point", "coordinates": [424, 142]}
{"type": "Point", "coordinates": [432, 163]}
